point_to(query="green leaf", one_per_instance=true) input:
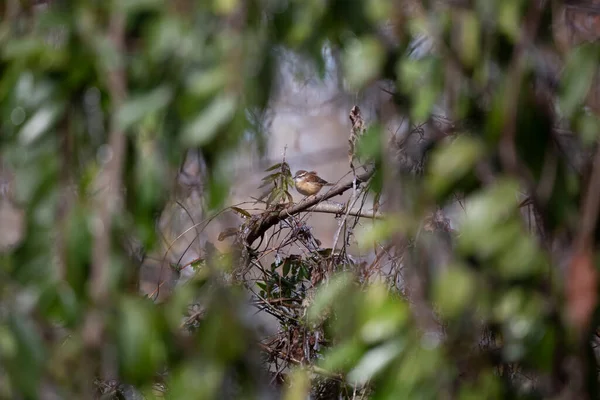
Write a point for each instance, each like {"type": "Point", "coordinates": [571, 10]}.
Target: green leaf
{"type": "Point", "coordinates": [300, 385]}
{"type": "Point", "coordinates": [576, 81]}
{"type": "Point", "coordinates": [381, 230]}
{"type": "Point", "coordinates": [286, 267]}
{"type": "Point", "coordinates": [271, 177]}
{"type": "Point", "coordinates": [25, 365]}
{"type": "Point", "coordinates": [328, 294]}
{"type": "Point", "coordinates": [343, 356]}
{"type": "Point", "coordinates": [453, 162]}
{"type": "Point", "coordinates": [362, 61]}
{"type": "Point", "coordinates": [273, 167]}
{"type": "Point", "coordinates": [40, 122]}
{"type": "Point", "coordinates": [139, 106]}
{"type": "Point", "coordinates": [454, 290]}
{"type": "Point", "coordinates": [141, 349]}
{"type": "Point", "coordinates": [131, 6]}
{"type": "Point", "coordinates": [374, 361]}
{"type": "Point", "coordinates": [207, 83]}
{"type": "Point", "coordinates": [369, 144]}
{"type": "Point", "coordinates": [470, 46]}
{"type": "Point", "coordinates": [241, 211]}
{"type": "Point", "coordinates": [205, 126]}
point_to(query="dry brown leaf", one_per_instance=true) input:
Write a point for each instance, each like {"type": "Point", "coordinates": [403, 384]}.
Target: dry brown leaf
{"type": "Point", "coordinates": [582, 295]}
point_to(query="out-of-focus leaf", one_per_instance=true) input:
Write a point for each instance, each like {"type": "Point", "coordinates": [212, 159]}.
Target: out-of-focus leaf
{"type": "Point", "coordinates": [582, 64]}
{"type": "Point", "coordinates": [509, 18]}
{"type": "Point", "coordinates": [203, 128]}
{"type": "Point", "coordinates": [588, 128]}
{"type": "Point", "coordinates": [382, 316]}
{"type": "Point", "coordinates": [454, 290]}
{"type": "Point", "coordinates": [40, 122]}
{"type": "Point", "coordinates": [208, 82]}
{"type": "Point", "coordinates": [59, 303]}
{"type": "Point", "coordinates": [225, 7]}
{"type": "Point", "coordinates": [423, 78]}
{"type": "Point", "coordinates": [8, 343]}
{"type": "Point", "coordinates": [78, 238]}
{"type": "Point", "coordinates": [138, 107]}
{"type": "Point", "coordinates": [218, 188]}
{"type": "Point", "coordinates": [369, 144]}
{"type": "Point", "coordinates": [299, 387]}
{"type": "Point", "coordinates": [196, 380]}
{"type": "Point", "coordinates": [141, 348]}
{"type": "Point", "coordinates": [362, 61]}
{"type": "Point", "coordinates": [328, 294]}
{"type": "Point", "coordinates": [469, 39]}
{"type": "Point", "coordinates": [374, 361]}
{"type": "Point", "coordinates": [452, 162]}
{"type": "Point", "coordinates": [381, 230]}
{"type": "Point", "coordinates": [488, 208]}
{"type": "Point", "coordinates": [343, 356]}
{"type": "Point", "coordinates": [378, 10]}
{"type": "Point", "coordinates": [25, 366]}
{"type": "Point", "coordinates": [131, 6]}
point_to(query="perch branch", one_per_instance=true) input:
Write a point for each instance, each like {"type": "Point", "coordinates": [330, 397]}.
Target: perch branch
{"type": "Point", "coordinates": [339, 209]}
{"type": "Point", "coordinates": [260, 227]}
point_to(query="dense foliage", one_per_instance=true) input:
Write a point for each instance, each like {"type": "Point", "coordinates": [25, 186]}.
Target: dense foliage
{"type": "Point", "coordinates": [100, 101]}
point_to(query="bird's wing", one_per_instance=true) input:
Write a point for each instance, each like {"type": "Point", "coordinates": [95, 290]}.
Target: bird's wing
{"type": "Point", "coordinates": [321, 180]}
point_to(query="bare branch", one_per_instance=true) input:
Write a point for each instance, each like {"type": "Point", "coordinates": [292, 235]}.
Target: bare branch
{"type": "Point", "coordinates": [340, 209]}
{"type": "Point", "coordinates": [262, 225]}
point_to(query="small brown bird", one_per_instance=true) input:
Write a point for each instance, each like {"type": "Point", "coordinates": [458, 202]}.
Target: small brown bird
{"type": "Point", "coordinates": [309, 183]}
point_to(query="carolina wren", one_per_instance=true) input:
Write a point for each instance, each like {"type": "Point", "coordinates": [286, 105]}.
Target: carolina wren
{"type": "Point", "coordinates": [309, 183]}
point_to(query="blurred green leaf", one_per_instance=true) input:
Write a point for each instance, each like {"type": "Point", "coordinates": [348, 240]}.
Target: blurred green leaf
{"type": "Point", "coordinates": [206, 124]}
{"type": "Point", "coordinates": [509, 18]}
{"type": "Point", "coordinates": [453, 162]}
{"type": "Point", "coordinates": [40, 122]}
{"type": "Point", "coordinates": [208, 82]}
{"type": "Point", "coordinates": [469, 39]}
{"type": "Point", "coordinates": [299, 387]}
{"type": "Point", "coordinates": [328, 294]}
{"type": "Point", "coordinates": [131, 6]}
{"type": "Point", "coordinates": [196, 380]}
{"type": "Point", "coordinates": [141, 348]}
{"type": "Point", "coordinates": [25, 365]}
{"type": "Point", "coordinates": [581, 66]}
{"type": "Point", "coordinates": [362, 61]}
{"type": "Point", "coordinates": [343, 357]}
{"type": "Point", "coordinates": [138, 107]}
{"type": "Point", "coordinates": [381, 230]}
{"type": "Point", "coordinates": [370, 144]}
{"type": "Point", "coordinates": [382, 314]}
{"type": "Point", "coordinates": [455, 289]}
{"type": "Point", "coordinates": [374, 361]}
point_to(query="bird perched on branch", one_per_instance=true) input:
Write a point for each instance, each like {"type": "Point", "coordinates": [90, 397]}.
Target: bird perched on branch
{"type": "Point", "coordinates": [309, 183]}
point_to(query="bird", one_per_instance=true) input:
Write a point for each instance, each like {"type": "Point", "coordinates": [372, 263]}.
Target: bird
{"type": "Point", "coordinates": [309, 183]}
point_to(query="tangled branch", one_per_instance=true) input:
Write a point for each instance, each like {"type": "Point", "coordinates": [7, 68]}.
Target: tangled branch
{"type": "Point", "coordinates": [259, 227]}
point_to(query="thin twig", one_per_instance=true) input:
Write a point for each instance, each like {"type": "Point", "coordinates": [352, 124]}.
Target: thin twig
{"type": "Point", "coordinates": [339, 209]}
{"type": "Point", "coordinates": [315, 369]}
